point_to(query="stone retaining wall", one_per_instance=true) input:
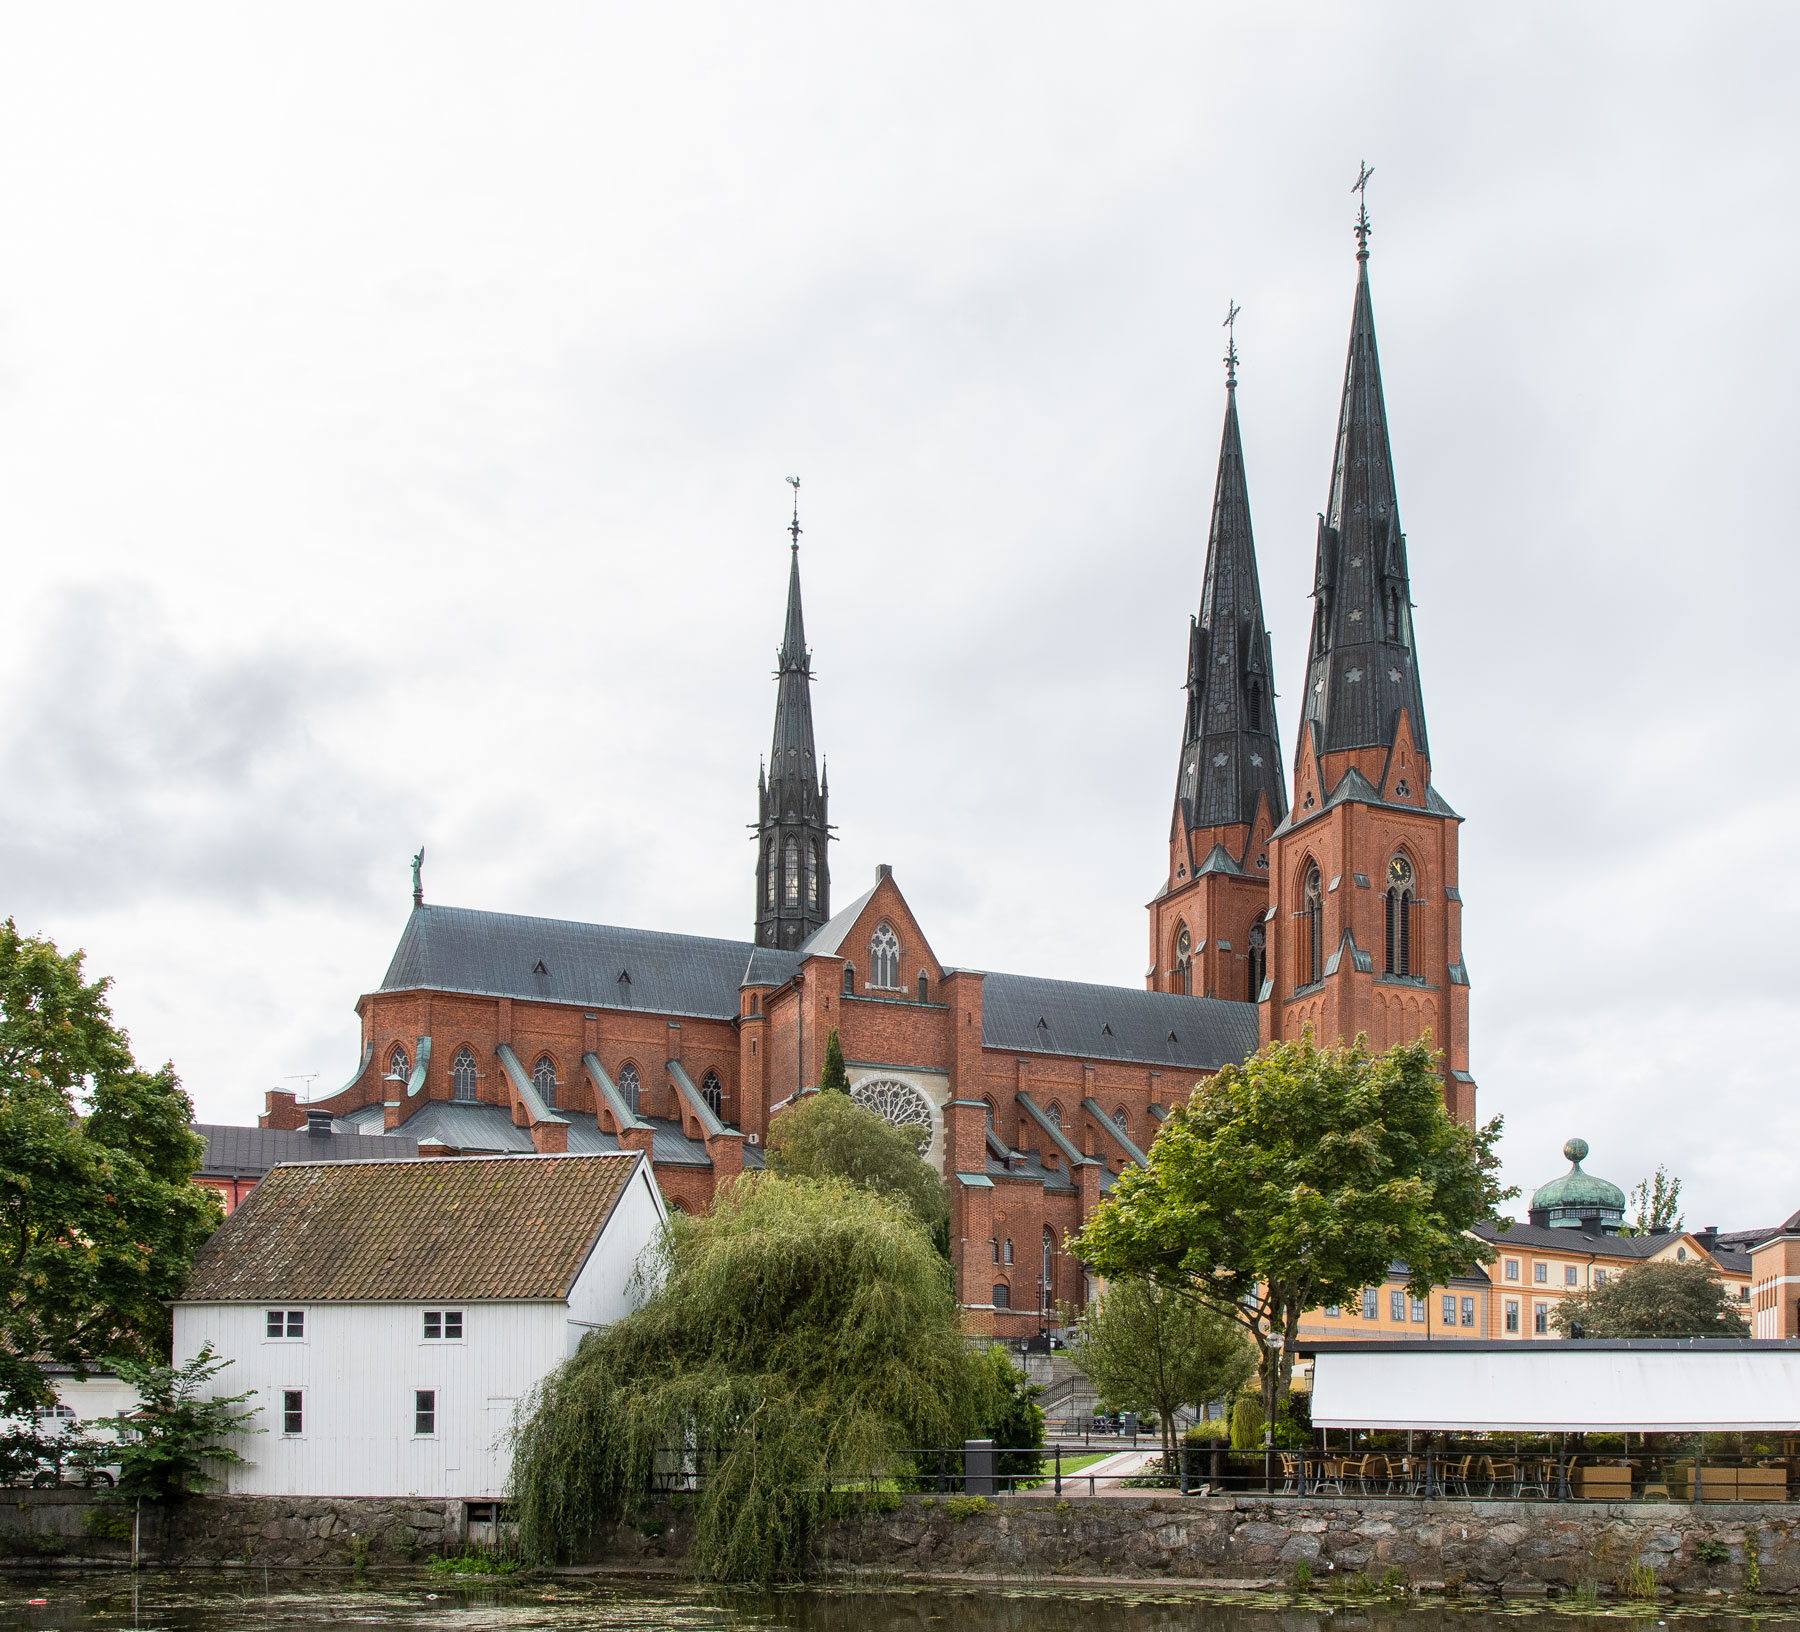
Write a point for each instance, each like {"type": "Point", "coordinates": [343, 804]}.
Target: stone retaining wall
{"type": "Point", "coordinates": [78, 1527]}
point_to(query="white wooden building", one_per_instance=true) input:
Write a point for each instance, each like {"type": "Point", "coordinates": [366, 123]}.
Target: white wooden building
{"type": "Point", "coordinates": [391, 1315]}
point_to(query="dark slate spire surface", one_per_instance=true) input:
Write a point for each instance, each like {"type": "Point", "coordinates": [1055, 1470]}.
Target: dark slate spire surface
{"type": "Point", "coordinates": [1361, 668]}
{"type": "Point", "coordinates": [1230, 750]}
{"type": "Point", "coordinates": [793, 874]}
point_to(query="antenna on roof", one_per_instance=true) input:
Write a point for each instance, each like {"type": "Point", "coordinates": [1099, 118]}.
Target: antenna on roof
{"type": "Point", "coordinates": [307, 1077]}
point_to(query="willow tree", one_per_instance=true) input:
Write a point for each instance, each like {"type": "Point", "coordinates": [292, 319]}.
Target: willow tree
{"type": "Point", "coordinates": [1295, 1180]}
{"type": "Point", "coordinates": [802, 1338]}
{"type": "Point", "coordinates": [830, 1136]}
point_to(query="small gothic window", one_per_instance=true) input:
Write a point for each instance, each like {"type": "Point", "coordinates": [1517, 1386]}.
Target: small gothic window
{"type": "Point", "coordinates": [713, 1091]}
{"type": "Point", "coordinates": [812, 875]}
{"type": "Point", "coordinates": [1002, 1296]}
{"type": "Point", "coordinates": [849, 980]}
{"type": "Point", "coordinates": [792, 881]}
{"type": "Point", "coordinates": [1121, 1121]}
{"type": "Point", "coordinates": [1400, 900]}
{"type": "Point", "coordinates": [543, 1078]}
{"type": "Point", "coordinates": [884, 958]}
{"type": "Point", "coordinates": [769, 871]}
{"type": "Point", "coordinates": [1054, 1112]}
{"type": "Point", "coordinates": [1047, 1292]}
{"type": "Point", "coordinates": [1259, 962]}
{"type": "Point", "coordinates": [1255, 707]}
{"type": "Point", "coordinates": [1006, 1254]}
{"type": "Point", "coordinates": [397, 1067]}
{"type": "Point", "coordinates": [924, 986]}
{"type": "Point", "coordinates": [463, 1074]}
{"type": "Point", "coordinates": [628, 1087]}
{"type": "Point", "coordinates": [1184, 959]}
{"type": "Point", "coordinates": [1312, 927]}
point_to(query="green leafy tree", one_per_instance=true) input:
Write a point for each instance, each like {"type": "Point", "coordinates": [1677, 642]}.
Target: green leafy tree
{"type": "Point", "coordinates": [804, 1338]}
{"type": "Point", "coordinates": [99, 1219]}
{"type": "Point", "coordinates": [835, 1078]}
{"type": "Point", "coordinates": [1294, 1181]}
{"type": "Point", "coordinates": [1153, 1347]}
{"type": "Point", "coordinates": [1009, 1414]}
{"type": "Point", "coordinates": [178, 1428]}
{"type": "Point", "coordinates": [1247, 1422]}
{"type": "Point", "coordinates": [1657, 1205]}
{"type": "Point", "coordinates": [1656, 1299]}
{"type": "Point", "coordinates": [830, 1136]}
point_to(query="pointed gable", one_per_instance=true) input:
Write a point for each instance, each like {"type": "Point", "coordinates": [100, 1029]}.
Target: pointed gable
{"type": "Point", "coordinates": [851, 934]}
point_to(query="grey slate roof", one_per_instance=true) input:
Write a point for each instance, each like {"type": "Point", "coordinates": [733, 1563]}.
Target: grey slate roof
{"type": "Point", "coordinates": [496, 954]}
{"type": "Point", "coordinates": [829, 938]}
{"type": "Point", "coordinates": [1115, 1023]}
{"type": "Point", "coordinates": [490, 1128]}
{"type": "Point", "coordinates": [250, 1152]}
{"type": "Point", "coordinates": [1616, 1246]}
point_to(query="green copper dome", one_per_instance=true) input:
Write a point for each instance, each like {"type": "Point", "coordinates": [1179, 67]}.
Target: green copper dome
{"type": "Point", "coordinates": [1564, 1203]}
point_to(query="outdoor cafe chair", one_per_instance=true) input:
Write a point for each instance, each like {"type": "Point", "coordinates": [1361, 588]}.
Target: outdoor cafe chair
{"type": "Point", "coordinates": [1375, 1473]}
{"type": "Point", "coordinates": [1290, 1474]}
{"type": "Point", "coordinates": [1502, 1475]}
{"type": "Point", "coordinates": [1456, 1475]}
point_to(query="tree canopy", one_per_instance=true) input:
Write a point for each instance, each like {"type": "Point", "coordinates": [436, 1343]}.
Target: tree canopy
{"type": "Point", "coordinates": [804, 1333]}
{"type": "Point", "coordinates": [830, 1136]}
{"type": "Point", "coordinates": [1656, 1299]}
{"type": "Point", "coordinates": [1657, 1204]}
{"type": "Point", "coordinates": [99, 1219]}
{"type": "Point", "coordinates": [1148, 1347]}
{"type": "Point", "coordinates": [1297, 1179]}
{"type": "Point", "coordinates": [834, 1078]}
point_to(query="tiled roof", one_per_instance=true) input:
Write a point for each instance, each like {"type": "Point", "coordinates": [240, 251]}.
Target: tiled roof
{"type": "Point", "coordinates": [242, 1152]}
{"type": "Point", "coordinates": [471, 1228]}
{"type": "Point", "coordinates": [497, 954]}
{"type": "Point", "coordinates": [1115, 1023]}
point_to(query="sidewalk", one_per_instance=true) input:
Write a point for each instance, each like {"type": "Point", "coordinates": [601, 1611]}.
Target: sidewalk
{"type": "Point", "coordinates": [1109, 1474]}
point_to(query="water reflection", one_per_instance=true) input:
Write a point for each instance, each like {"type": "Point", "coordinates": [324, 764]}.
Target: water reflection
{"type": "Point", "coordinates": [205, 1602]}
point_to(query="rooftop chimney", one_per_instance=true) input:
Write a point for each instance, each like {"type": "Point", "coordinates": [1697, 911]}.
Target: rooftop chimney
{"type": "Point", "coordinates": [318, 1122]}
{"type": "Point", "coordinates": [882, 870]}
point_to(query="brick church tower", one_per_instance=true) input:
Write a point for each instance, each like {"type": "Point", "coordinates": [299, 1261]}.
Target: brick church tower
{"type": "Point", "coordinates": [1365, 929]}
{"type": "Point", "coordinates": [1206, 928]}
{"type": "Point", "coordinates": [793, 872]}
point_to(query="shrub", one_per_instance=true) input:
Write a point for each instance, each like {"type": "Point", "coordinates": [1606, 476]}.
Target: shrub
{"type": "Point", "coordinates": [966, 1507]}
{"type": "Point", "coordinates": [1302, 1576]}
{"type": "Point", "coordinates": [1247, 1423]}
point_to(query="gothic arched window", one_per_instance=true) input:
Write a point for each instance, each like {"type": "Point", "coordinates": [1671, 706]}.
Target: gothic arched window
{"type": "Point", "coordinates": [713, 1091]}
{"type": "Point", "coordinates": [812, 875]}
{"type": "Point", "coordinates": [1002, 1296]}
{"type": "Point", "coordinates": [769, 869]}
{"type": "Point", "coordinates": [1259, 961]}
{"type": "Point", "coordinates": [1400, 897]}
{"type": "Point", "coordinates": [1054, 1112]}
{"type": "Point", "coordinates": [1184, 959]}
{"type": "Point", "coordinates": [397, 1066]}
{"type": "Point", "coordinates": [628, 1086]}
{"type": "Point", "coordinates": [1312, 927]}
{"type": "Point", "coordinates": [849, 980]}
{"type": "Point", "coordinates": [543, 1078]}
{"type": "Point", "coordinates": [924, 987]}
{"type": "Point", "coordinates": [463, 1076]}
{"type": "Point", "coordinates": [1121, 1121]}
{"type": "Point", "coordinates": [884, 958]}
{"type": "Point", "coordinates": [1047, 1280]}
{"type": "Point", "coordinates": [791, 883]}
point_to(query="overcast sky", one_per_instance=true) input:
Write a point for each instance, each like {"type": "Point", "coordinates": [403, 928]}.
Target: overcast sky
{"type": "Point", "coordinates": [395, 403]}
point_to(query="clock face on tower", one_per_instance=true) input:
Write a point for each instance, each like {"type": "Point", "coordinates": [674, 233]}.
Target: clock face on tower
{"type": "Point", "coordinates": [1400, 873]}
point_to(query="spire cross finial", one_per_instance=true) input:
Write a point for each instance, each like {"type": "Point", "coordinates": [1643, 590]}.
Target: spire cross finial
{"type": "Point", "coordinates": [794, 525]}
{"type": "Point", "coordinates": [1363, 229]}
{"type": "Point", "coordinates": [1231, 355]}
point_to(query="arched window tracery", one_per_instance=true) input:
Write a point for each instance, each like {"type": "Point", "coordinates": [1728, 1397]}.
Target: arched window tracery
{"type": "Point", "coordinates": [769, 869]}
{"type": "Point", "coordinates": [899, 1104]}
{"type": "Point", "coordinates": [398, 1068]}
{"type": "Point", "coordinates": [543, 1078]}
{"type": "Point", "coordinates": [1312, 926]}
{"type": "Point", "coordinates": [884, 958]}
{"type": "Point", "coordinates": [713, 1092]}
{"type": "Point", "coordinates": [629, 1086]}
{"type": "Point", "coordinates": [791, 887]}
{"type": "Point", "coordinates": [812, 874]}
{"type": "Point", "coordinates": [1401, 897]}
{"type": "Point", "coordinates": [1047, 1278]}
{"type": "Point", "coordinates": [463, 1076]}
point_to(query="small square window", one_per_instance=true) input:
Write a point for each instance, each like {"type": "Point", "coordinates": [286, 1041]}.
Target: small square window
{"type": "Point", "coordinates": [1571, 1275]}
{"type": "Point", "coordinates": [1396, 1306]}
{"type": "Point", "coordinates": [1468, 1306]}
{"type": "Point", "coordinates": [1449, 1310]}
{"type": "Point", "coordinates": [1512, 1269]}
{"type": "Point", "coordinates": [1540, 1273]}
{"type": "Point", "coordinates": [286, 1323]}
{"type": "Point", "coordinates": [1512, 1314]}
{"type": "Point", "coordinates": [453, 1323]}
{"type": "Point", "coordinates": [434, 1324]}
{"type": "Point", "coordinates": [293, 1418]}
{"type": "Point", "coordinates": [425, 1411]}
{"type": "Point", "coordinates": [1332, 1311]}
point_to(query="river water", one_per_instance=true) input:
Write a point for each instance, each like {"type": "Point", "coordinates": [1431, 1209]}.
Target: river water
{"type": "Point", "coordinates": [215, 1603]}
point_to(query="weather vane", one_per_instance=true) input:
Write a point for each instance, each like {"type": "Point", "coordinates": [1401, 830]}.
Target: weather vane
{"type": "Point", "coordinates": [1363, 229]}
{"type": "Point", "coordinates": [1231, 357]}
{"type": "Point", "coordinates": [794, 525]}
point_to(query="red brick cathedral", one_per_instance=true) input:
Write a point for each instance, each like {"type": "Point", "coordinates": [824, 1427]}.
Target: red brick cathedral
{"type": "Point", "coordinates": [1339, 911]}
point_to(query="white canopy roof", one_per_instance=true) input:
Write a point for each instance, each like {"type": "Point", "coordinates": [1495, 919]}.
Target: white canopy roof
{"type": "Point", "coordinates": [1559, 1386]}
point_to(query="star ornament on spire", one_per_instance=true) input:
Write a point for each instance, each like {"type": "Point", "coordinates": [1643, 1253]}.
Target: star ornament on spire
{"type": "Point", "coordinates": [1363, 229]}
{"type": "Point", "coordinates": [1231, 351]}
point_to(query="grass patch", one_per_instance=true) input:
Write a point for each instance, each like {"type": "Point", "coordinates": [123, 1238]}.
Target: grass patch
{"type": "Point", "coordinates": [474, 1561]}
